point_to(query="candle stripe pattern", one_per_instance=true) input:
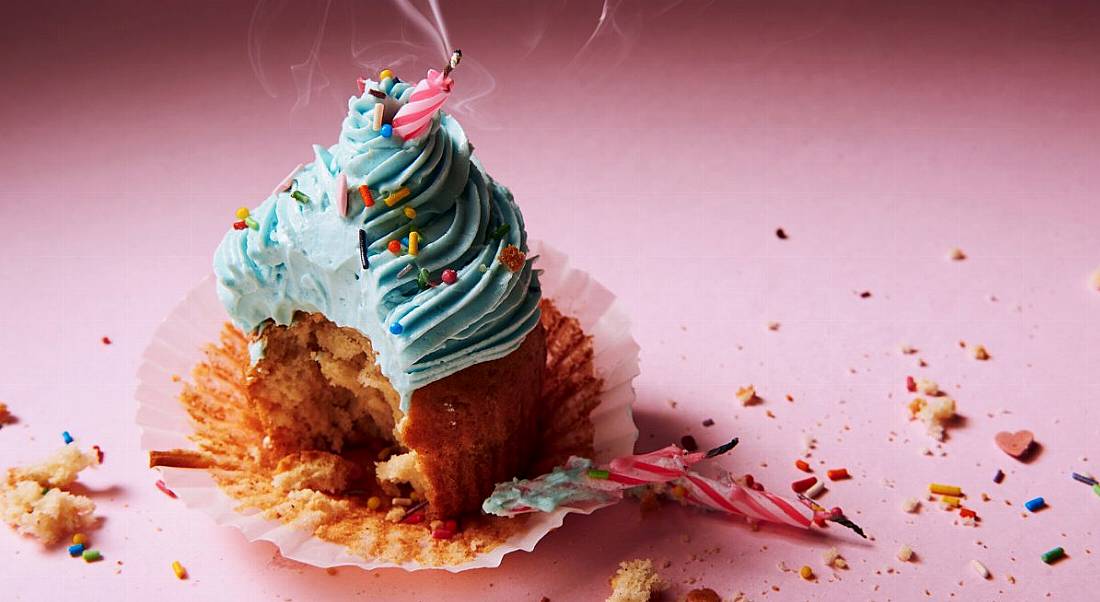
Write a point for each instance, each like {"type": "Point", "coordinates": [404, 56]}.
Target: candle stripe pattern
{"type": "Point", "coordinates": [415, 116]}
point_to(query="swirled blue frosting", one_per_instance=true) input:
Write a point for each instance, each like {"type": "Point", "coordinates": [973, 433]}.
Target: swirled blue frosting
{"type": "Point", "coordinates": [305, 256]}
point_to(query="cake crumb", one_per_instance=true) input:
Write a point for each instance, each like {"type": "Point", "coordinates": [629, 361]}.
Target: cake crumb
{"type": "Point", "coordinates": [395, 514]}
{"type": "Point", "coordinates": [5, 414]}
{"type": "Point", "coordinates": [928, 387]}
{"type": "Point", "coordinates": [908, 350]}
{"type": "Point", "coordinates": [512, 258]}
{"type": "Point", "coordinates": [979, 352]}
{"type": "Point", "coordinates": [957, 254]}
{"type": "Point", "coordinates": [905, 554]}
{"type": "Point", "coordinates": [910, 505]}
{"type": "Point", "coordinates": [773, 326]}
{"type": "Point", "coordinates": [33, 500]}
{"type": "Point", "coordinates": [316, 470]}
{"type": "Point", "coordinates": [747, 396]}
{"type": "Point", "coordinates": [832, 558]}
{"type": "Point", "coordinates": [935, 414]}
{"type": "Point", "coordinates": [636, 581]}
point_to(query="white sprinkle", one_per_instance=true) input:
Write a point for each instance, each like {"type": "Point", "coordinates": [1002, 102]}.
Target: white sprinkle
{"type": "Point", "coordinates": [980, 569]}
{"type": "Point", "coordinates": [905, 553]}
{"type": "Point", "coordinates": [815, 489]}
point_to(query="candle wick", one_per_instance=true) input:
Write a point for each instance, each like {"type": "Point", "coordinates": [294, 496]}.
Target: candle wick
{"type": "Point", "coordinates": [456, 56]}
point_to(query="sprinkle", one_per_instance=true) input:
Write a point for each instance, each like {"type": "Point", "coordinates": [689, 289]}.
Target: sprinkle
{"type": "Point", "coordinates": [1035, 504]}
{"type": "Point", "coordinates": [300, 196]}
{"type": "Point", "coordinates": [599, 474]}
{"type": "Point", "coordinates": [423, 279]}
{"type": "Point", "coordinates": [500, 231]}
{"type": "Point", "coordinates": [405, 271]}
{"type": "Point", "coordinates": [251, 223]}
{"type": "Point", "coordinates": [385, 73]}
{"type": "Point", "coordinates": [177, 568]}
{"type": "Point", "coordinates": [285, 184]}
{"type": "Point", "coordinates": [410, 212]}
{"type": "Point", "coordinates": [942, 489]}
{"type": "Point", "coordinates": [106, 340]}
{"type": "Point", "coordinates": [803, 485]}
{"type": "Point", "coordinates": [239, 225]}
{"type": "Point", "coordinates": [950, 500]}
{"type": "Point", "coordinates": [512, 258]}
{"type": "Point", "coordinates": [80, 538]}
{"type": "Point", "coordinates": [449, 276]}
{"type": "Point", "coordinates": [98, 454]}
{"type": "Point", "coordinates": [980, 569]}
{"type": "Point", "coordinates": [802, 465]}
{"type": "Point", "coordinates": [1096, 489]}
{"type": "Point", "coordinates": [396, 328]}
{"type": "Point", "coordinates": [442, 534]}
{"type": "Point", "coordinates": [806, 573]}
{"type": "Point", "coordinates": [340, 194]}
{"type": "Point", "coordinates": [394, 247]}
{"type": "Point", "coordinates": [815, 490]}
{"type": "Point", "coordinates": [1053, 555]}
{"type": "Point", "coordinates": [780, 234]}
{"type": "Point", "coordinates": [76, 549]}
{"type": "Point", "coordinates": [374, 502]}
{"type": "Point", "coordinates": [967, 513]}
{"type": "Point", "coordinates": [414, 519]}
{"type": "Point", "coordinates": [92, 555]}
{"type": "Point", "coordinates": [1087, 480]}
{"type": "Point", "coordinates": [376, 93]}
{"type": "Point", "coordinates": [242, 213]}
{"type": "Point", "coordinates": [364, 193]}
{"type": "Point", "coordinates": [396, 195]}
{"type": "Point", "coordinates": [482, 268]}
{"type": "Point", "coordinates": [414, 243]}
{"type": "Point", "coordinates": [164, 487]}
{"type": "Point", "coordinates": [386, 130]}
{"type": "Point", "coordinates": [838, 474]}
{"type": "Point", "coordinates": [67, 437]}
{"type": "Point", "coordinates": [401, 501]}
{"type": "Point", "coordinates": [910, 384]}
{"type": "Point", "coordinates": [379, 109]}
{"type": "Point", "coordinates": [1000, 476]}
{"type": "Point", "coordinates": [905, 553]}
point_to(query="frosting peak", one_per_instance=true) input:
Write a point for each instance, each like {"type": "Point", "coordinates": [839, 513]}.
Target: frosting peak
{"type": "Point", "coordinates": [428, 192]}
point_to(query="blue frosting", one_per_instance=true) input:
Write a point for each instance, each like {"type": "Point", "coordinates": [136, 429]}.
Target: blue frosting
{"type": "Point", "coordinates": [304, 256]}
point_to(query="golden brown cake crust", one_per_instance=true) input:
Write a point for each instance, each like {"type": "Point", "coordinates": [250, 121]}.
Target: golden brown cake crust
{"type": "Point", "coordinates": [229, 432]}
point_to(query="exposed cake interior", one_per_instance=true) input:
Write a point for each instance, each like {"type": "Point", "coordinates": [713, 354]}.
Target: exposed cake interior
{"type": "Point", "coordinates": [320, 389]}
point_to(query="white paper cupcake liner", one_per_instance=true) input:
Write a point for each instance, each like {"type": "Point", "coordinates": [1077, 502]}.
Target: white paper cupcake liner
{"type": "Point", "coordinates": [197, 321]}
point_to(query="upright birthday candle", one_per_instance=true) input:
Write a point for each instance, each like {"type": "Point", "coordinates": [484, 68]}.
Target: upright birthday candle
{"type": "Point", "coordinates": [415, 116]}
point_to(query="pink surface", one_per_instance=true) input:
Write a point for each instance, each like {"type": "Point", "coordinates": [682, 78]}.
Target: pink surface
{"type": "Point", "coordinates": [662, 159]}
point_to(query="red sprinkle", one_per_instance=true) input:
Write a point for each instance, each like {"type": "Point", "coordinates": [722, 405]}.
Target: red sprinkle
{"type": "Point", "coordinates": [239, 225]}
{"type": "Point", "coordinates": [394, 247]}
{"type": "Point", "coordinates": [967, 513]}
{"type": "Point", "coordinates": [910, 384]}
{"type": "Point", "coordinates": [106, 340]}
{"type": "Point", "coordinates": [165, 489]}
{"type": "Point", "coordinates": [442, 534]}
{"type": "Point", "coordinates": [450, 276]}
{"type": "Point", "coordinates": [413, 519]}
{"type": "Point", "coordinates": [368, 199]}
{"type": "Point", "coordinates": [838, 474]}
{"type": "Point", "coordinates": [451, 525]}
{"type": "Point", "coordinates": [98, 453]}
{"type": "Point", "coordinates": [803, 466]}
{"type": "Point", "coordinates": [804, 484]}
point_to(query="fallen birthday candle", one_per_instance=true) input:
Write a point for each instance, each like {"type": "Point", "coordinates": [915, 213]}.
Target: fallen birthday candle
{"type": "Point", "coordinates": [583, 485]}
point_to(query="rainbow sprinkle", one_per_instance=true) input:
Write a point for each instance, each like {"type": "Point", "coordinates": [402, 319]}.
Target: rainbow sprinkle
{"type": "Point", "coordinates": [396, 195]}
{"type": "Point", "coordinates": [300, 196]}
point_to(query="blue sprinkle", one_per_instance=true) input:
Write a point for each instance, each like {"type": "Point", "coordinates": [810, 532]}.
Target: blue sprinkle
{"type": "Point", "coordinates": [405, 242]}
{"type": "Point", "coordinates": [1087, 480]}
{"type": "Point", "coordinates": [76, 549]}
{"type": "Point", "coordinates": [386, 130]}
{"type": "Point", "coordinates": [67, 437]}
{"type": "Point", "coordinates": [1035, 504]}
{"type": "Point", "coordinates": [396, 328]}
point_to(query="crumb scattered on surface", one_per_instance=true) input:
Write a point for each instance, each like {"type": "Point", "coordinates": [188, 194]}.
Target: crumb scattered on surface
{"type": "Point", "coordinates": [865, 295]}
{"type": "Point", "coordinates": [34, 502]}
{"type": "Point", "coordinates": [908, 350]}
{"type": "Point", "coordinates": [5, 414]}
{"type": "Point", "coordinates": [957, 254]}
{"type": "Point", "coordinates": [928, 387]}
{"type": "Point", "coordinates": [709, 422]}
{"type": "Point", "coordinates": [910, 505]}
{"type": "Point", "coordinates": [979, 352]}
{"type": "Point", "coordinates": [747, 396]}
{"type": "Point", "coordinates": [832, 558]}
{"type": "Point", "coordinates": [773, 326]}
{"type": "Point", "coordinates": [636, 581]}
{"type": "Point", "coordinates": [934, 412]}
{"type": "Point", "coordinates": [106, 340]}
{"type": "Point", "coordinates": [780, 234]}
{"type": "Point", "coordinates": [905, 554]}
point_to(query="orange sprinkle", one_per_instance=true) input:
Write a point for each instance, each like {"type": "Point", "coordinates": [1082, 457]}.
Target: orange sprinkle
{"type": "Point", "coordinates": [368, 200]}
{"type": "Point", "coordinates": [803, 466]}
{"type": "Point", "coordinates": [838, 474]}
{"type": "Point", "coordinates": [967, 513]}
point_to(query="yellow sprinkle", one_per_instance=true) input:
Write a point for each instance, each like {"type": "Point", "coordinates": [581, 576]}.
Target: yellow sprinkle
{"type": "Point", "coordinates": [242, 213]}
{"type": "Point", "coordinates": [401, 501]}
{"type": "Point", "coordinates": [177, 568]}
{"type": "Point", "coordinates": [384, 74]}
{"type": "Point", "coordinates": [942, 489]}
{"type": "Point", "coordinates": [80, 538]}
{"type": "Point", "coordinates": [410, 212]}
{"type": "Point", "coordinates": [679, 492]}
{"type": "Point", "coordinates": [374, 502]}
{"type": "Point", "coordinates": [950, 500]}
{"type": "Point", "coordinates": [414, 243]}
{"type": "Point", "coordinates": [397, 195]}
{"type": "Point", "coordinates": [806, 573]}
{"type": "Point", "coordinates": [378, 110]}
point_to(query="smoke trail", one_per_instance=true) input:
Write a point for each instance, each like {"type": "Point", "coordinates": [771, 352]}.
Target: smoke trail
{"type": "Point", "coordinates": [257, 28]}
{"type": "Point", "coordinates": [304, 73]}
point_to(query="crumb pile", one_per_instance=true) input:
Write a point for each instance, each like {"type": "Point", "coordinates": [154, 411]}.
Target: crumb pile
{"type": "Point", "coordinates": [636, 581]}
{"type": "Point", "coordinates": [34, 502]}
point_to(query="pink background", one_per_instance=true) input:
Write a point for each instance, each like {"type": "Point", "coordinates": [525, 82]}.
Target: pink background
{"type": "Point", "coordinates": [662, 157]}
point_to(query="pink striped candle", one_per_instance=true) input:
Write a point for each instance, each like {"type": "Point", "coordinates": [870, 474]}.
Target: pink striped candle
{"type": "Point", "coordinates": [414, 118]}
